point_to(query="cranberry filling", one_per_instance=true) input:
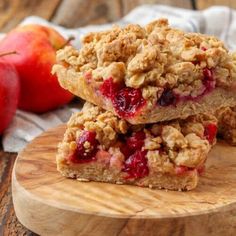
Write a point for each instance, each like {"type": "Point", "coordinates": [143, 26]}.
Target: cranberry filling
{"type": "Point", "coordinates": [180, 170]}
{"type": "Point", "coordinates": [210, 132]}
{"type": "Point", "coordinates": [109, 88]}
{"type": "Point", "coordinates": [209, 81]}
{"type": "Point", "coordinates": [136, 165]}
{"type": "Point", "coordinates": [133, 143]}
{"type": "Point", "coordinates": [85, 153]}
{"type": "Point", "coordinates": [126, 101]}
{"type": "Point", "coordinates": [136, 141]}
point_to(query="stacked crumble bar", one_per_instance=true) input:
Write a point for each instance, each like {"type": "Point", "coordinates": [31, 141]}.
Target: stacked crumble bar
{"type": "Point", "coordinates": [150, 88]}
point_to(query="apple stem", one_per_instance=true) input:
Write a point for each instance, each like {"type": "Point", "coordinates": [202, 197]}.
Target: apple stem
{"type": "Point", "coordinates": [8, 53]}
{"type": "Point", "coordinates": [67, 41]}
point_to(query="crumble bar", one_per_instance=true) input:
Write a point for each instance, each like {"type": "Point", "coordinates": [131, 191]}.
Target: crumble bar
{"type": "Point", "coordinates": [99, 146]}
{"type": "Point", "coordinates": [149, 74]}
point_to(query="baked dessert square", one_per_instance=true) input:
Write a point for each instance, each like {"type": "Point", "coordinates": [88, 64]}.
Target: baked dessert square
{"type": "Point", "coordinates": [227, 124]}
{"type": "Point", "coordinates": [149, 74]}
{"type": "Point", "coordinates": [99, 146]}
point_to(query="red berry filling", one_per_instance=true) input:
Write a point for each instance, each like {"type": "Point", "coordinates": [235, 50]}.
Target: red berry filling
{"type": "Point", "coordinates": [208, 74]}
{"type": "Point", "coordinates": [126, 101]}
{"type": "Point", "coordinates": [133, 143]}
{"type": "Point", "coordinates": [136, 165]}
{"type": "Point", "coordinates": [136, 141]}
{"type": "Point", "coordinates": [208, 81]}
{"type": "Point", "coordinates": [86, 148]}
{"type": "Point", "coordinates": [210, 132]}
{"type": "Point", "coordinates": [203, 48]}
{"type": "Point", "coordinates": [180, 170]}
{"type": "Point", "coordinates": [109, 88]}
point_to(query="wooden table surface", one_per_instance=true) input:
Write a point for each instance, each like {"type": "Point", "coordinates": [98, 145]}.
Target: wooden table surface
{"type": "Point", "coordinates": [68, 13]}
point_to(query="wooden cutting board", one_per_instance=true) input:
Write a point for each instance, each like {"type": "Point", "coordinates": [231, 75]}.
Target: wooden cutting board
{"type": "Point", "coordinates": [49, 204]}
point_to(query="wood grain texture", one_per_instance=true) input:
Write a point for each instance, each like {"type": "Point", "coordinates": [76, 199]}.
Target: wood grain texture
{"type": "Point", "coordinates": [202, 4]}
{"type": "Point", "coordinates": [12, 12]}
{"type": "Point", "coordinates": [9, 225]}
{"type": "Point", "coordinates": [69, 207]}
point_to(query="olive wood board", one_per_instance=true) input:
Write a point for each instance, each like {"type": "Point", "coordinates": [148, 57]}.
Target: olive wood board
{"type": "Point", "coordinates": [49, 204]}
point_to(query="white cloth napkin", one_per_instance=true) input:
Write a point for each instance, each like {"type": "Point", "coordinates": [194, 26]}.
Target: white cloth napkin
{"type": "Point", "coordinates": [219, 21]}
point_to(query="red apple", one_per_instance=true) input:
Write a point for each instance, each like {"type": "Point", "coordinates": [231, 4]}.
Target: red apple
{"type": "Point", "coordinates": [9, 93]}
{"type": "Point", "coordinates": [36, 48]}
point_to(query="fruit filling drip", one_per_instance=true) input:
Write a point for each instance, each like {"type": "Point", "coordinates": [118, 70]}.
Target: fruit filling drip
{"type": "Point", "coordinates": [86, 148]}
{"type": "Point", "coordinates": [135, 164]}
{"type": "Point", "coordinates": [126, 101]}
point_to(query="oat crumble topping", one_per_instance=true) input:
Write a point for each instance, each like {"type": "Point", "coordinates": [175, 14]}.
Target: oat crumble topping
{"type": "Point", "coordinates": [152, 58]}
